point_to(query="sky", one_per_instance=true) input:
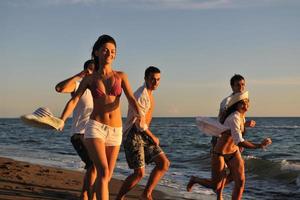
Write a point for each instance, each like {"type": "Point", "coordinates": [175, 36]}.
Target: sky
{"type": "Point", "coordinates": [198, 45]}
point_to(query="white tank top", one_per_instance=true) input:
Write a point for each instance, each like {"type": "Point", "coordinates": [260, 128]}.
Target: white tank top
{"type": "Point", "coordinates": [82, 111]}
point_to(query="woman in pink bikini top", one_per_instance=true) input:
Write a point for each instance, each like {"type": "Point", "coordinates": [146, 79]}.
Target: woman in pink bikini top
{"type": "Point", "coordinates": [115, 88]}
{"type": "Point", "coordinates": [103, 132]}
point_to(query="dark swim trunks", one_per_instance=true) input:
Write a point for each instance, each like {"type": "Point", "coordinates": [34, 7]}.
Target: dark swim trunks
{"type": "Point", "coordinates": [139, 149]}
{"type": "Point", "coordinates": [78, 145]}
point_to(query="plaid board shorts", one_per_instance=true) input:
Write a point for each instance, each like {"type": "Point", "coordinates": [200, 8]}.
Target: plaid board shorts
{"type": "Point", "coordinates": [77, 142]}
{"type": "Point", "coordinates": [139, 149]}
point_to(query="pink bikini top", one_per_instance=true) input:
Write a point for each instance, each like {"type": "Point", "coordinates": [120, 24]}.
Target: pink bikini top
{"type": "Point", "coordinates": [116, 89]}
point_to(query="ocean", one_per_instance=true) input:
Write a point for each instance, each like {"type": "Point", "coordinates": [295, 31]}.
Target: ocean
{"type": "Point", "coordinates": [270, 174]}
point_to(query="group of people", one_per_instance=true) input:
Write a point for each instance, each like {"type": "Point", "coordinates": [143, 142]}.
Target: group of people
{"type": "Point", "coordinates": [227, 164]}
{"type": "Point", "coordinates": [97, 123]}
{"type": "Point", "coordinates": [98, 132]}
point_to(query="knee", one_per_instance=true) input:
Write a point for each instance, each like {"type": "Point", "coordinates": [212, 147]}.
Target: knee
{"type": "Point", "coordinates": [240, 182]}
{"type": "Point", "coordinates": [139, 173]}
{"type": "Point", "coordinates": [217, 187]}
{"type": "Point", "coordinates": [93, 170]}
{"type": "Point", "coordinates": [102, 173]}
{"type": "Point", "coordinates": [164, 165]}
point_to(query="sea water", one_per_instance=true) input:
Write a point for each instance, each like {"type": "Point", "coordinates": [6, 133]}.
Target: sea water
{"type": "Point", "coordinates": [270, 174]}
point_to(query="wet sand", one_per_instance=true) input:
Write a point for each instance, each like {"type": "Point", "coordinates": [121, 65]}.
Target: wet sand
{"type": "Point", "coordinates": [26, 181]}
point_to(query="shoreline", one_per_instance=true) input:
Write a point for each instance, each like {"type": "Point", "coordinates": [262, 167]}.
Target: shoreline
{"type": "Point", "coordinates": [26, 181]}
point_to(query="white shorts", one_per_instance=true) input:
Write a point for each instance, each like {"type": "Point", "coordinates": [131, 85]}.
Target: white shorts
{"type": "Point", "coordinates": [112, 136]}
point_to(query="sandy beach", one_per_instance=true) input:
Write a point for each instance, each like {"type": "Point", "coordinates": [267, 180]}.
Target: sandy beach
{"type": "Point", "coordinates": [26, 181]}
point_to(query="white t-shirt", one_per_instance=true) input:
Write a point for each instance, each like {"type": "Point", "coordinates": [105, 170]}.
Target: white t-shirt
{"type": "Point", "coordinates": [143, 100]}
{"type": "Point", "coordinates": [223, 106]}
{"type": "Point", "coordinates": [236, 124]}
{"type": "Point", "coordinates": [82, 111]}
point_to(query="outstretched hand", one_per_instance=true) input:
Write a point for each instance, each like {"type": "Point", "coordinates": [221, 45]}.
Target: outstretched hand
{"type": "Point", "coordinates": [266, 142]}
{"type": "Point", "coordinates": [250, 123]}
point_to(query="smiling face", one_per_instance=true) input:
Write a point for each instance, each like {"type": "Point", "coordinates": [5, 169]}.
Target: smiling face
{"type": "Point", "coordinates": [106, 53]}
{"type": "Point", "coordinates": [152, 81]}
{"type": "Point", "coordinates": [243, 106]}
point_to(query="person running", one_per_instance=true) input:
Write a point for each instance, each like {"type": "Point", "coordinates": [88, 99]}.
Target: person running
{"type": "Point", "coordinates": [237, 84]}
{"type": "Point", "coordinates": [140, 144]}
{"type": "Point", "coordinates": [103, 133]}
{"type": "Point", "coordinates": [81, 115]}
{"type": "Point", "coordinates": [226, 151]}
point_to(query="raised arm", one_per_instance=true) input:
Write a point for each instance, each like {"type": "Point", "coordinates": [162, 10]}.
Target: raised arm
{"type": "Point", "coordinates": [236, 132]}
{"type": "Point", "coordinates": [69, 85]}
{"type": "Point", "coordinates": [74, 100]}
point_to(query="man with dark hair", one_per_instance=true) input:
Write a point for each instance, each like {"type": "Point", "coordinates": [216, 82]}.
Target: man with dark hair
{"type": "Point", "coordinates": [237, 83]}
{"type": "Point", "coordinates": [81, 115]}
{"type": "Point", "coordinates": [140, 144]}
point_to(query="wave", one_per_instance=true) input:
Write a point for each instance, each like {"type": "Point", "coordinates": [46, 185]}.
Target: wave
{"type": "Point", "coordinates": [189, 125]}
{"type": "Point", "coordinates": [174, 125]}
{"type": "Point", "coordinates": [284, 171]}
{"type": "Point", "coordinates": [279, 127]}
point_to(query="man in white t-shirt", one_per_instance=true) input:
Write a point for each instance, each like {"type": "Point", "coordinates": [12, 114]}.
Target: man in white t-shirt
{"type": "Point", "coordinates": [81, 115]}
{"type": "Point", "coordinates": [140, 144]}
{"type": "Point", "coordinates": [237, 83]}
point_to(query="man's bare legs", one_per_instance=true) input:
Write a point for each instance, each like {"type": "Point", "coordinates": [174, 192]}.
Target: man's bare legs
{"type": "Point", "coordinates": [130, 182]}
{"type": "Point", "coordinates": [161, 166]}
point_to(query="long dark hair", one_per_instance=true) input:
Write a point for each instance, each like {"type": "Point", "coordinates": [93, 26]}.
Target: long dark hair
{"type": "Point", "coordinates": [230, 110]}
{"type": "Point", "coordinates": [103, 39]}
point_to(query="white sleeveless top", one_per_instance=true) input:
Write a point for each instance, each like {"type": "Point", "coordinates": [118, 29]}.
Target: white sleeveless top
{"type": "Point", "coordinates": [82, 111]}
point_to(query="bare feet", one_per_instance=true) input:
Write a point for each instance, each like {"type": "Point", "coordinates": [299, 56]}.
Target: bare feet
{"type": "Point", "coordinates": [144, 197]}
{"type": "Point", "coordinates": [190, 184]}
{"type": "Point", "coordinates": [120, 198]}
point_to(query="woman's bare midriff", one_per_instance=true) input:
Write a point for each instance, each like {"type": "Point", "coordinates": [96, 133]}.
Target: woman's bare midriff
{"type": "Point", "coordinates": [225, 144]}
{"type": "Point", "coordinates": [107, 111]}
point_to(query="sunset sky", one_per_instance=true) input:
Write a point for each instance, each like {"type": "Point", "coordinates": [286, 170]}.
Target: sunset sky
{"type": "Point", "coordinates": [197, 44]}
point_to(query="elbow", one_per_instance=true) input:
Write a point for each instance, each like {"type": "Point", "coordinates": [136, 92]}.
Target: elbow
{"type": "Point", "coordinates": [58, 89]}
{"type": "Point", "coordinates": [133, 101]}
